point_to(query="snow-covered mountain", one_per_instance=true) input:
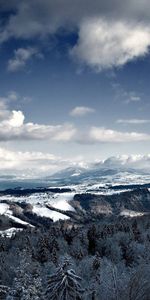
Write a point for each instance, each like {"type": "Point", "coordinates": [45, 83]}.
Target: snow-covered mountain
{"type": "Point", "coordinates": [102, 173]}
{"type": "Point", "coordinates": [43, 200]}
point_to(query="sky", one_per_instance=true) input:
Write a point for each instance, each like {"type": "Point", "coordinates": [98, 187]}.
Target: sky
{"type": "Point", "coordinates": [74, 83]}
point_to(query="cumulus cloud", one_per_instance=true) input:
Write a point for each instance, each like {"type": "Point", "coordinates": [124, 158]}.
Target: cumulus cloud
{"type": "Point", "coordinates": [135, 161]}
{"type": "Point", "coordinates": [26, 21]}
{"type": "Point", "coordinates": [133, 121]}
{"type": "Point", "coordinates": [20, 59]}
{"type": "Point", "coordinates": [105, 44]}
{"type": "Point", "coordinates": [14, 127]}
{"type": "Point", "coordinates": [81, 111]}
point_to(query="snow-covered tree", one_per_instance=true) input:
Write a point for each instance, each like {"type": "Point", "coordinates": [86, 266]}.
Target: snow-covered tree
{"type": "Point", "coordinates": [3, 291]}
{"type": "Point", "coordinates": [139, 286]}
{"type": "Point", "coordinates": [64, 284]}
{"type": "Point", "coordinates": [27, 282]}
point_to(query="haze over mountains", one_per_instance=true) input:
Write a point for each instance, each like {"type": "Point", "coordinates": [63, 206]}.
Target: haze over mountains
{"type": "Point", "coordinates": [114, 170]}
{"type": "Point", "coordinates": [24, 166]}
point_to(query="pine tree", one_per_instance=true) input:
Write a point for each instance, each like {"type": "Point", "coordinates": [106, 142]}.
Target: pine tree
{"type": "Point", "coordinates": [64, 284]}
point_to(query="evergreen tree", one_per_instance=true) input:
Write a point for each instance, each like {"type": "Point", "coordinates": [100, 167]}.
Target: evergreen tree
{"type": "Point", "coordinates": [64, 284]}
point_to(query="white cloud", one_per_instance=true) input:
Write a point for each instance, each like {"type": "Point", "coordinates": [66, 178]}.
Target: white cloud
{"type": "Point", "coordinates": [81, 111]}
{"type": "Point", "coordinates": [15, 129]}
{"type": "Point", "coordinates": [29, 163]}
{"type": "Point", "coordinates": [16, 119]}
{"type": "Point", "coordinates": [103, 135]}
{"type": "Point", "coordinates": [66, 134]}
{"type": "Point", "coordinates": [135, 161]}
{"type": "Point", "coordinates": [13, 126]}
{"type": "Point", "coordinates": [105, 44]}
{"type": "Point", "coordinates": [20, 59]}
{"type": "Point", "coordinates": [33, 164]}
{"type": "Point", "coordinates": [133, 121]}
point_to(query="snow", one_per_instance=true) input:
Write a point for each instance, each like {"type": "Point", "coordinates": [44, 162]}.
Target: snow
{"type": "Point", "coordinates": [39, 200]}
{"type": "Point", "coordinates": [61, 201]}
{"type": "Point", "coordinates": [17, 220]}
{"type": "Point", "coordinates": [9, 232]}
{"type": "Point", "coordinates": [131, 213]}
{"type": "Point", "coordinates": [45, 212]}
{"type": "Point", "coordinates": [75, 174]}
{"type": "Point", "coordinates": [58, 201]}
{"type": "Point", "coordinates": [3, 208]}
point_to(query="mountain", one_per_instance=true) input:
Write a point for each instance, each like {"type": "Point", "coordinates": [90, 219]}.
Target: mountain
{"type": "Point", "coordinates": [68, 172]}
{"type": "Point", "coordinates": [102, 174]}
{"type": "Point", "coordinates": [136, 202]}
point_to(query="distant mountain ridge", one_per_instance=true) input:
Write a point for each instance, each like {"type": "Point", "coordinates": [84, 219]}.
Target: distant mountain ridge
{"type": "Point", "coordinates": [98, 173]}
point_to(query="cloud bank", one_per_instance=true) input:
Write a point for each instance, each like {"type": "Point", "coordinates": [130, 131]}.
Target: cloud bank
{"type": "Point", "coordinates": [27, 164]}
{"type": "Point", "coordinates": [104, 135]}
{"type": "Point", "coordinates": [126, 161]}
{"type": "Point", "coordinates": [13, 127]}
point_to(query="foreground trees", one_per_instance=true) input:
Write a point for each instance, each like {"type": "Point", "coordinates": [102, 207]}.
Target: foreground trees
{"type": "Point", "coordinates": [112, 260]}
{"type": "Point", "coordinates": [64, 284]}
{"type": "Point", "coordinates": [139, 285]}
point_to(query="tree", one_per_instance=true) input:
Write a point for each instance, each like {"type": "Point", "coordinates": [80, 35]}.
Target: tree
{"type": "Point", "coordinates": [139, 286]}
{"type": "Point", "coordinates": [64, 284]}
{"type": "Point", "coordinates": [3, 291]}
{"type": "Point", "coordinates": [27, 282]}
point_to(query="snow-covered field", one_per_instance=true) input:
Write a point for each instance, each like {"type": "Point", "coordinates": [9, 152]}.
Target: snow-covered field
{"type": "Point", "coordinates": [62, 200]}
{"type": "Point", "coordinates": [102, 185]}
{"type": "Point", "coordinates": [39, 201]}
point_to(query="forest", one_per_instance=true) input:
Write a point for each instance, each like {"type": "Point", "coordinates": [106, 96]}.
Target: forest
{"type": "Point", "coordinates": [106, 259]}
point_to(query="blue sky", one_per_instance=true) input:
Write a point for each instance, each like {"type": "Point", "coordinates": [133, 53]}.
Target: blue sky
{"type": "Point", "coordinates": [74, 82]}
